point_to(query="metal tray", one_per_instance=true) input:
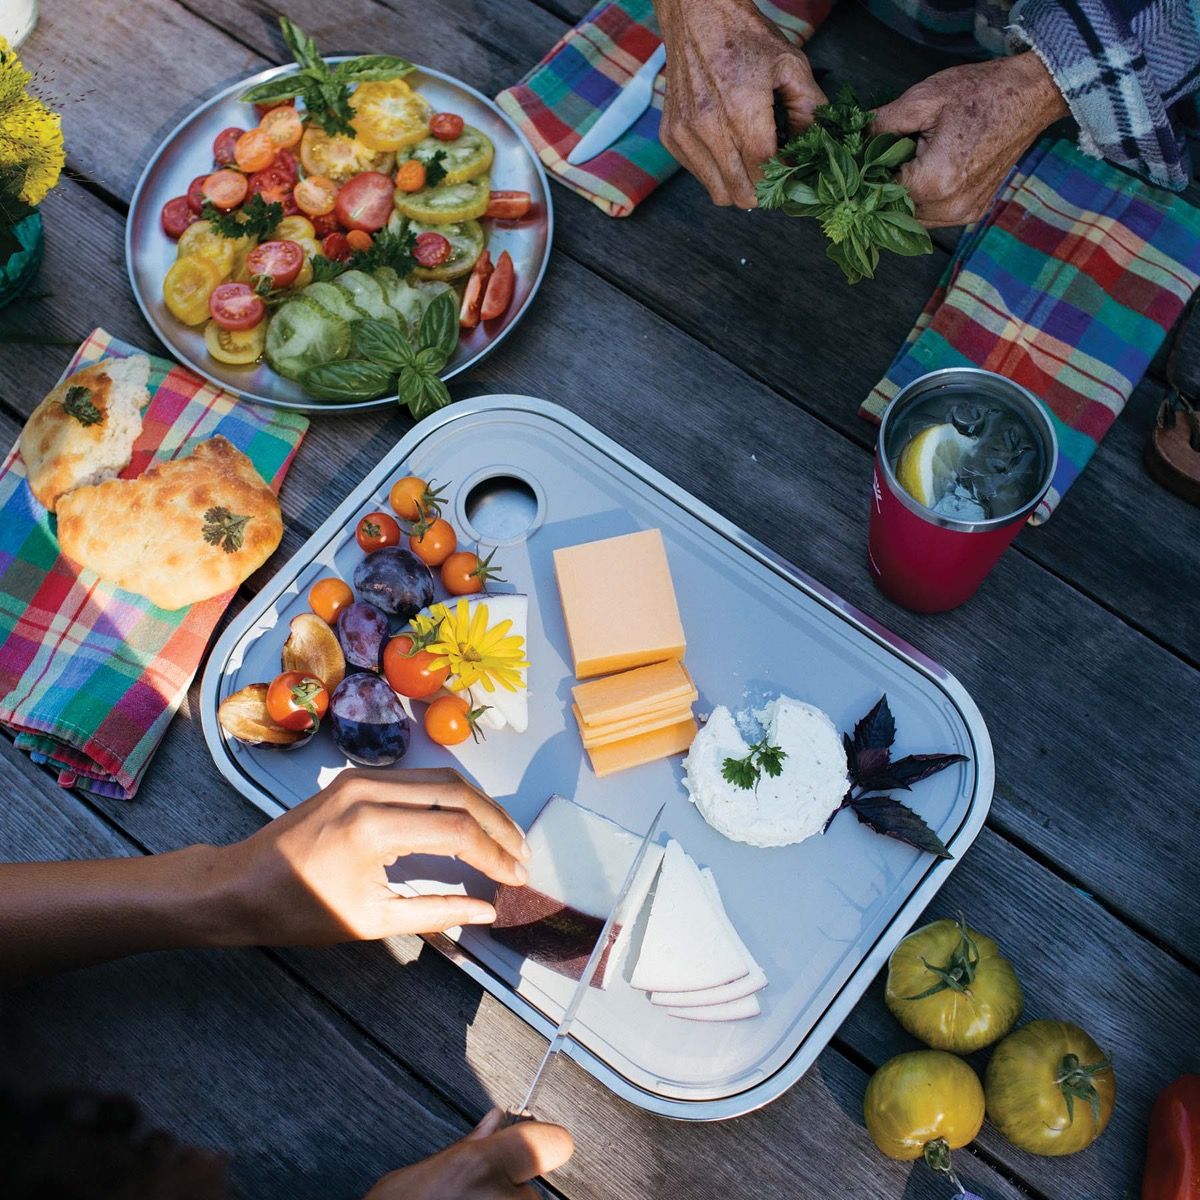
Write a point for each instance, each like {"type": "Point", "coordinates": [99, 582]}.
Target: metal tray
{"type": "Point", "coordinates": [821, 917]}
{"type": "Point", "coordinates": [187, 152]}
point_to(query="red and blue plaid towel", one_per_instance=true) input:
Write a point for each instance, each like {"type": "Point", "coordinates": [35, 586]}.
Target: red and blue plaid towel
{"type": "Point", "coordinates": [90, 675]}
{"type": "Point", "coordinates": [557, 102]}
{"type": "Point", "coordinates": [1068, 286]}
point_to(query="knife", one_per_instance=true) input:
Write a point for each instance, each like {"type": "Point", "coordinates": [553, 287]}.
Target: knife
{"type": "Point", "coordinates": [585, 980]}
{"type": "Point", "coordinates": [629, 104]}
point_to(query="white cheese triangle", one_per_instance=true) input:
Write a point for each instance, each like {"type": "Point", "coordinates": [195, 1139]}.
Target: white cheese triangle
{"type": "Point", "coordinates": [504, 707]}
{"type": "Point", "coordinates": [688, 943]}
{"type": "Point", "coordinates": [734, 1010]}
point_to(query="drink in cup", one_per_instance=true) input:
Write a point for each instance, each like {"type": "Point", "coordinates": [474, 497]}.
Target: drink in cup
{"type": "Point", "coordinates": [963, 457]}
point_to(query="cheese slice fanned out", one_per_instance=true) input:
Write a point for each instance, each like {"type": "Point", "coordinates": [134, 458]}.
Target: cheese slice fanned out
{"type": "Point", "coordinates": [504, 708]}
{"type": "Point", "coordinates": [578, 863]}
{"type": "Point", "coordinates": [688, 943]}
{"type": "Point", "coordinates": [734, 1010]}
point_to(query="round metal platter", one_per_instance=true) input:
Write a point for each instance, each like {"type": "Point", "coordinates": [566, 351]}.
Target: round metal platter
{"type": "Point", "coordinates": [187, 152]}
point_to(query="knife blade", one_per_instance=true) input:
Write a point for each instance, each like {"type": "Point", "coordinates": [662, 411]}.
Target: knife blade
{"type": "Point", "coordinates": [585, 980]}
{"type": "Point", "coordinates": [625, 108]}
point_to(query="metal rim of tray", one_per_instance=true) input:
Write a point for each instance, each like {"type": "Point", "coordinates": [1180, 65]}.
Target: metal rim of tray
{"type": "Point", "coordinates": [327, 409]}
{"type": "Point", "coordinates": [849, 994]}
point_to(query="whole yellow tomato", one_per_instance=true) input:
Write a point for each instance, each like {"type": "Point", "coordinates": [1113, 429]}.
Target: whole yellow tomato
{"type": "Point", "coordinates": [952, 988]}
{"type": "Point", "coordinates": [923, 1104]}
{"type": "Point", "coordinates": [1050, 1089]}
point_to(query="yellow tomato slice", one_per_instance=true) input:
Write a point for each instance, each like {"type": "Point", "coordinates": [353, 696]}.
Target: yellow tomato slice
{"type": "Point", "coordinates": [187, 287]}
{"type": "Point", "coordinates": [338, 158]}
{"type": "Point", "coordinates": [236, 346]}
{"type": "Point", "coordinates": [292, 229]}
{"type": "Point", "coordinates": [447, 203]}
{"type": "Point", "coordinates": [389, 115]}
{"type": "Point", "coordinates": [202, 239]}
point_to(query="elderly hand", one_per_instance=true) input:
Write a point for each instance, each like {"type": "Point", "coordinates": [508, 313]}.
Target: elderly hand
{"type": "Point", "coordinates": [488, 1164]}
{"type": "Point", "coordinates": [317, 875]}
{"type": "Point", "coordinates": [725, 64]}
{"type": "Point", "coordinates": [972, 124]}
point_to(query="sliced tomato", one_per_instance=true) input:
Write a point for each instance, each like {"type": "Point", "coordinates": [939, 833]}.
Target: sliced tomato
{"type": "Point", "coordinates": [195, 194]}
{"type": "Point", "coordinates": [499, 289]}
{"type": "Point", "coordinates": [472, 301]}
{"type": "Point", "coordinates": [285, 161]}
{"type": "Point", "coordinates": [177, 215]}
{"type": "Point", "coordinates": [365, 202]}
{"type": "Point", "coordinates": [336, 247]}
{"type": "Point", "coordinates": [254, 151]}
{"type": "Point", "coordinates": [283, 126]}
{"type": "Point", "coordinates": [316, 195]}
{"type": "Point", "coordinates": [225, 189]}
{"type": "Point", "coordinates": [281, 260]}
{"type": "Point", "coordinates": [324, 225]}
{"type": "Point", "coordinates": [271, 105]}
{"type": "Point", "coordinates": [431, 249]}
{"type": "Point", "coordinates": [236, 306]}
{"type": "Point", "coordinates": [508, 206]}
{"type": "Point", "coordinates": [223, 146]}
{"type": "Point", "coordinates": [273, 185]}
{"type": "Point", "coordinates": [388, 114]}
{"type": "Point", "coordinates": [446, 127]}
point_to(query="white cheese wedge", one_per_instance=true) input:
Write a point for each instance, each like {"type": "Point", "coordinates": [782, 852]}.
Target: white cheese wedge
{"type": "Point", "coordinates": [504, 708]}
{"type": "Point", "coordinates": [688, 943]}
{"type": "Point", "coordinates": [754, 982]}
{"type": "Point", "coordinates": [733, 1010]}
{"type": "Point", "coordinates": [781, 809]}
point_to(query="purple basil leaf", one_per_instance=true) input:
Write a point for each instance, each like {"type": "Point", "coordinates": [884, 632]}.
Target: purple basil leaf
{"type": "Point", "coordinates": [896, 820]}
{"type": "Point", "coordinates": [869, 765]}
{"type": "Point", "coordinates": [877, 730]}
{"type": "Point", "coordinates": [851, 757]}
{"type": "Point", "coordinates": [904, 772]}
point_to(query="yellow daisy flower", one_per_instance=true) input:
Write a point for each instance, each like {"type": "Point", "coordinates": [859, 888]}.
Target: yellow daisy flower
{"type": "Point", "coordinates": [475, 653]}
{"type": "Point", "coordinates": [31, 141]}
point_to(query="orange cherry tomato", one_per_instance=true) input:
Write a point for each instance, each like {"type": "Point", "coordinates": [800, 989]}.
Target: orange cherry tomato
{"type": "Point", "coordinates": [327, 598]}
{"type": "Point", "coordinates": [377, 530]}
{"type": "Point", "coordinates": [254, 150]}
{"type": "Point", "coordinates": [412, 498]}
{"type": "Point", "coordinates": [412, 673]}
{"type": "Point", "coordinates": [296, 700]}
{"type": "Point", "coordinates": [433, 541]}
{"type": "Point", "coordinates": [448, 721]}
{"type": "Point", "coordinates": [359, 239]}
{"type": "Point", "coordinates": [315, 196]}
{"type": "Point", "coordinates": [498, 295]}
{"type": "Point", "coordinates": [411, 176]}
{"type": "Point", "coordinates": [283, 126]}
{"type": "Point", "coordinates": [225, 189]}
{"type": "Point", "coordinates": [508, 206]}
{"type": "Point", "coordinates": [464, 573]}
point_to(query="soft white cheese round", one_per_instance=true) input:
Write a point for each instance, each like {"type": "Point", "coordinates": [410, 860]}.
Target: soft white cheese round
{"type": "Point", "coordinates": [783, 809]}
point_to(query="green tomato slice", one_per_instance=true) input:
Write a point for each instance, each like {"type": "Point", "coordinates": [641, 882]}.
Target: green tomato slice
{"type": "Point", "coordinates": [470, 154]}
{"type": "Point", "coordinates": [447, 203]}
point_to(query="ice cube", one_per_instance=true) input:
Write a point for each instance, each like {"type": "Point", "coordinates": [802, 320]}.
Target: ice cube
{"type": "Point", "coordinates": [967, 418]}
{"type": "Point", "coordinates": [961, 504]}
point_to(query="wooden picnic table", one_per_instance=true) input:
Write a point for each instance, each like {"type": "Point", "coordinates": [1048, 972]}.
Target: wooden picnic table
{"type": "Point", "coordinates": [725, 350]}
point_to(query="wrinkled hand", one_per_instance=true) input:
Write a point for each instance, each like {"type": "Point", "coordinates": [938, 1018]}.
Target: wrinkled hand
{"type": "Point", "coordinates": [485, 1165]}
{"type": "Point", "coordinates": [725, 64]}
{"type": "Point", "coordinates": [317, 875]}
{"type": "Point", "coordinates": [972, 124]}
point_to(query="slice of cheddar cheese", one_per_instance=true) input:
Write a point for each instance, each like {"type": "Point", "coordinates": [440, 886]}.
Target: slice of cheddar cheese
{"type": "Point", "coordinates": [643, 748]}
{"type": "Point", "coordinates": [630, 725]}
{"type": "Point", "coordinates": [606, 735]}
{"type": "Point", "coordinates": [633, 693]}
{"type": "Point", "coordinates": [619, 603]}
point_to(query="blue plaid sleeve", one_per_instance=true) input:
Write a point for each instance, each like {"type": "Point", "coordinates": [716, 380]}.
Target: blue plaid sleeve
{"type": "Point", "coordinates": [1124, 66]}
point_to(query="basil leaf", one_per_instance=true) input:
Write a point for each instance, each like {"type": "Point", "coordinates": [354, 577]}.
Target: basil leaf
{"type": "Point", "coordinates": [433, 396]}
{"type": "Point", "coordinates": [888, 816]}
{"type": "Point", "coordinates": [348, 380]}
{"type": "Point", "coordinates": [410, 387]}
{"type": "Point", "coordinates": [430, 361]}
{"type": "Point", "coordinates": [303, 48]}
{"type": "Point", "coordinates": [368, 67]}
{"type": "Point", "coordinates": [900, 151]}
{"type": "Point", "coordinates": [381, 343]}
{"type": "Point", "coordinates": [800, 193]}
{"type": "Point", "coordinates": [438, 329]}
{"type": "Point", "coordinates": [283, 88]}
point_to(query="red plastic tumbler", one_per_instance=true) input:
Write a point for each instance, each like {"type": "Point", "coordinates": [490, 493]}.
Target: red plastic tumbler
{"type": "Point", "coordinates": [921, 559]}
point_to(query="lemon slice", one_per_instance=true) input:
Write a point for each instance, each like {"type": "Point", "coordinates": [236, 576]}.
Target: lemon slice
{"type": "Point", "coordinates": [929, 464]}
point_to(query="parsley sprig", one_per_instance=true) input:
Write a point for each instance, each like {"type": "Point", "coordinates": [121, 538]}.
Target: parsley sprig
{"type": "Point", "coordinates": [225, 529]}
{"type": "Point", "coordinates": [78, 404]}
{"type": "Point", "coordinates": [387, 250]}
{"type": "Point", "coordinates": [747, 772]}
{"type": "Point", "coordinates": [255, 219]}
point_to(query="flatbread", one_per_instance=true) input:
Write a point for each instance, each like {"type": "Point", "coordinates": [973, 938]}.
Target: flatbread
{"type": "Point", "coordinates": [181, 532]}
{"type": "Point", "coordinates": [83, 432]}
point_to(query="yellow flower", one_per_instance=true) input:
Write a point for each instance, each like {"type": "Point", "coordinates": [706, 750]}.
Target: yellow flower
{"type": "Point", "coordinates": [475, 653]}
{"type": "Point", "coordinates": [31, 141]}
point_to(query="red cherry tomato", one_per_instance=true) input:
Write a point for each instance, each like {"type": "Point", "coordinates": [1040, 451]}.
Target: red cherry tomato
{"type": "Point", "coordinates": [223, 146]}
{"type": "Point", "coordinates": [236, 306]}
{"type": "Point", "coordinates": [195, 194]}
{"type": "Point", "coordinates": [412, 675]}
{"type": "Point", "coordinates": [448, 721]}
{"type": "Point", "coordinates": [431, 249]}
{"type": "Point", "coordinates": [177, 215]}
{"type": "Point", "coordinates": [225, 189]}
{"type": "Point", "coordinates": [499, 289]}
{"type": "Point", "coordinates": [327, 598]}
{"type": "Point", "coordinates": [365, 202]}
{"type": "Point", "coordinates": [324, 224]}
{"type": "Point", "coordinates": [433, 541]}
{"type": "Point", "coordinates": [285, 161]}
{"type": "Point", "coordinates": [296, 700]}
{"type": "Point", "coordinates": [446, 126]}
{"type": "Point", "coordinates": [508, 206]}
{"type": "Point", "coordinates": [280, 260]}
{"type": "Point", "coordinates": [272, 184]}
{"type": "Point", "coordinates": [377, 530]}
{"type": "Point", "coordinates": [335, 246]}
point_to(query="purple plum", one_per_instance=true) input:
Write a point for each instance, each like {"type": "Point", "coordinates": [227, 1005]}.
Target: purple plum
{"type": "Point", "coordinates": [394, 580]}
{"type": "Point", "coordinates": [369, 725]}
{"type": "Point", "coordinates": [362, 631]}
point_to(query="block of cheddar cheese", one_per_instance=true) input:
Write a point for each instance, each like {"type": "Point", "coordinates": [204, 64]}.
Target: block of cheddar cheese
{"type": "Point", "coordinates": [619, 603]}
{"type": "Point", "coordinates": [643, 748]}
{"type": "Point", "coordinates": [632, 693]}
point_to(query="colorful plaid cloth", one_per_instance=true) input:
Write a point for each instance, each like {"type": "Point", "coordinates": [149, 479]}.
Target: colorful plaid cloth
{"type": "Point", "coordinates": [556, 103]}
{"type": "Point", "coordinates": [90, 675]}
{"type": "Point", "coordinates": [1068, 286]}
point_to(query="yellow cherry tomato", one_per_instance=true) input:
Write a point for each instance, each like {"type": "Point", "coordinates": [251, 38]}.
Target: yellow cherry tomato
{"type": "Point", "coordinates": [923, 1104]}
{"type": "Point", "coordinates": [235, 346]}
{"type": "Point", "coordinates": [952, 988]}
{"type": "Point", "coordinates": [388, 115]}
{"type": "Point", "coordinates": [340, 157]}
{"type": "Point", "coordinates": [187, 286]}
{"type": "Point", "coordinates": [292, 228]}
{"type": "Point", "coordinates": [1050, 1089]}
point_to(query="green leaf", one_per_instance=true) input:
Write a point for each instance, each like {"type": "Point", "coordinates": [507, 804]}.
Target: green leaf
{"type": "Point", "coordinates": [225, 529]}
{"type": "Point", "coordinates": [746, 772]}
{"type": "Point", "coordinates": [283, 88]}
{"type": "Point", "coordinates": [381, 343]}
{"type": "Point", "coordinates": [410, 387]}
{"type": "Point", "coordinates": [435, 168]}
{"type": "Point", "coordinates": [899, 151]}
{"type": "Point", "coordinates": [438, 329]}
{"type": "Point", "coordinates": [429, 362]}
{"type": "Point", "coordinates": [371, 67]}
{"type": "Point", "coordinates": [255, 219]}
{"type": "Point", "coordinates": [303, 48]}
{"type": "Point", "coordinates": [325, 269]}
{"type": "Point", "coordinates": [78, 404]}
{"type": "Point", "coordinates": [801, 193]}
{"type": "Point", "coordinates": [434, 395]}
{"type": "Point", "coordinates": [347, 381]}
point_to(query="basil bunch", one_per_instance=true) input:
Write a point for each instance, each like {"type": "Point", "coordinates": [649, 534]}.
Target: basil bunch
{"type": "Point", "coordinates": [386, 360]}
{"type": "Point", "coordinates": [835, 171]}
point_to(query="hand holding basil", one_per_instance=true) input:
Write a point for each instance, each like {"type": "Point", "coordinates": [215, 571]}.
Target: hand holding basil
{"type": "Point", "coordinates": [836, 172]}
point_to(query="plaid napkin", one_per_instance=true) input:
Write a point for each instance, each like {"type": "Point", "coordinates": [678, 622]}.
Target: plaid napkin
{"type": "Point", "coordinates": [90, 675]}
{"type": "Point", "coordinates": [1068, 286]}
{"type": "Point", "coordinates": [556, 103]}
